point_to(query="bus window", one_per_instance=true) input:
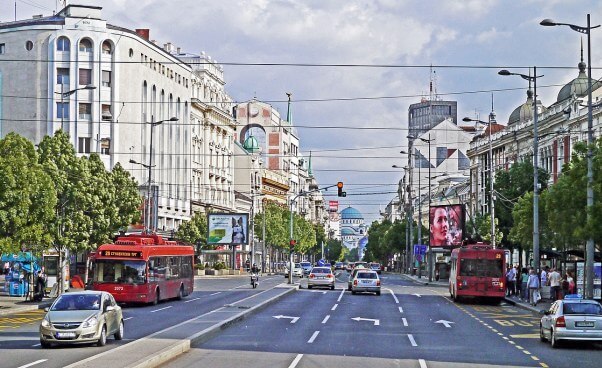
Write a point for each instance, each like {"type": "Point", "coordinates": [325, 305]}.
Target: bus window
{"type": "Point", "coordinates": [481, 267]}
{"type": "Point", "coordinates": [121, 271]}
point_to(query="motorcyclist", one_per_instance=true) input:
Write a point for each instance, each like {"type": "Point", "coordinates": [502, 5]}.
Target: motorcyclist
{"type": "Point", "coordinates": [255, 269]}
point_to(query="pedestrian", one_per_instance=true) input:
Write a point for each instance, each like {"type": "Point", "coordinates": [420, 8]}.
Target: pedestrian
{"type": "Point", "coordinates": [554, 282]}
{"type": "Point", "coordinates": [533, 284]}
{"type": "Point", "coordinates": [569, 279]}
{"type": "Point", "coordinates": [510, 280]}
{"type": "Point", "coordinates": [524, 280]}
{"type": "Point", "coordinates": [544, 276]}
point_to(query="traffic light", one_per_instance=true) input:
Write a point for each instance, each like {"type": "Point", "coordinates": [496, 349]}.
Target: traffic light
{"type": "Point", "coordinates": [292, 244]}
{"type": "Point", "coordinates": [340, 188]}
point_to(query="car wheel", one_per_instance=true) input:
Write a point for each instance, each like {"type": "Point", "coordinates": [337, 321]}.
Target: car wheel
{"type": "Point", "coordinates": [332, 287]}
{"type": "Point", "coordinates": [553, 341]}
{"type": "Point", "coordinates": [181, 292]}
{"type": "Point", "coordinates": [44, 344]}
{"type": "Point", "coordinates": [102, 340]}
{"type": "Point", "coordinates": [378, 293]}
{"type": "Point", "coordinates": [348, 288]}
{"type": "Point", "coordinates": [119, 334]}
{"type": "Point", "coordinates": [157, 296]}
{"type": "Point", "coordinates": [353, 292]}
{"type": "Point", "coordinates": [309, 286]}
{"type": "Point", "coordinates": [542, 336]}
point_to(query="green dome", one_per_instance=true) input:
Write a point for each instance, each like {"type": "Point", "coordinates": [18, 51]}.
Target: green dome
{"type": "Point", "coordinates": [251, 144]}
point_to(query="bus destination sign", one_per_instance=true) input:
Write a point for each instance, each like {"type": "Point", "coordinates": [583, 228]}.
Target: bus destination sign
{"type": "Point", "coordinates": [120, 253]}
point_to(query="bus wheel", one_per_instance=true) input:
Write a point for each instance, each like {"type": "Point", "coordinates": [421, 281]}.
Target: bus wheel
{"type": "Point", "coordinates": [181, 292]}
{"type": "Point", "coordinates": [157, 296]}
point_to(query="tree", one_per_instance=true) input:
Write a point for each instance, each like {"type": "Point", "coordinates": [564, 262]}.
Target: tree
{"type": "Point", "coordinates": [27, 196]}
{"type": "Point", "coordinates": [127, 198]}
{"type": "Point", "coordinates": [194, 231]}
{"type": "Point", "coordinates": [378, 245]}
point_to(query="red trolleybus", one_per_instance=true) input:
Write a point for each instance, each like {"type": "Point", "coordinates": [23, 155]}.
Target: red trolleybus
{"type": "Point", "coordinates": [143, 269]}
{"type": "Point", "coordinates": [478, 270]}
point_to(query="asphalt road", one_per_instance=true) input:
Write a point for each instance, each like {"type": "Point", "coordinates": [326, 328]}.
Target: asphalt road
{"type": "Point", "coordinates": [407, 326]}
{"type": "Point", "coordinates": [19, 338]}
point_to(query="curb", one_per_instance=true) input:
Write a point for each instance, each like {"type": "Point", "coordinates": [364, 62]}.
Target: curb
{"type": "Point", "coordinates": [421, 282]}
{"type": "Point", "coordinates": [522, 305]}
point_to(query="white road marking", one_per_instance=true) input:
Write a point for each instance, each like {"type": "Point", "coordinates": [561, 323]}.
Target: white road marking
{"type": "Point", "coordinates": [325, 319]}
{"type": "Point", "coordinates": [125, 319]}
{"type": "Point", "coordinates": [405, 322]}
{"type": "Point", "coordinates": [412, 341]}
{"type": "Point", "coordinates": [160, 309]}
{"type": "Point", "coordinates": [400, 310]}
{"type": "Point", "coordinates": [334, 307]}
{"type": "Point", "coordinates": [33, 363]}
{"type": "Point", "coordinates": [296, 361]}
{"type": "Point", "coordinates": [422, 363]}
{"type": "Point", "coordinates": [33, 346]}
{"type": "Point", "coordinates": [313, 337]}
{"type": "Point", "coordinates": [219, 292]}
{"type": "Point", "coordinates": [394, 297]}
{"type": "Point", "coordinates": [192, 300]}
{"type": "Point", "coordinates": [340, 296]}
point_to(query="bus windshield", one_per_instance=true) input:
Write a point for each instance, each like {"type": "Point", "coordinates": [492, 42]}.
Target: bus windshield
{"type": "Point", "coordinates": [481, 267]}
{"type": "Point", "coordinates": [119, 271]}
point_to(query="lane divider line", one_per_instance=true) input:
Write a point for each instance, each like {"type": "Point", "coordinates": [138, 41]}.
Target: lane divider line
{"type": "Point", "coordinates": [125, 319]}
{"type": "Point", "coordinates": [192, 300]}
{"type": "Point", "coordinates": [313, 337]}
{"type": "Point", "coordinates": [160, 309]}
{"type": "Point", "coordinates": [422, 363]}
{"type": "Point", "coordinates": [295, 361]}
{"type": "Point", "coordinates": [33, 363]}
{"type": "Point", "coordinates": [405, 322]}
{"type": "Point", "coordinates": [394, 297]}
{"type": "Point", "coordinates": [341, 295]}
{"type": "Point", "coordinates": [400, 310]}
{"type": "Point", "coordinates": [325, 319]}
{"type": "Point", "coordinates": [412, 341]}
{"type": "Point", "coordinates": [334, 307]}
{"type": "Point", "coordinates": [219, 292]}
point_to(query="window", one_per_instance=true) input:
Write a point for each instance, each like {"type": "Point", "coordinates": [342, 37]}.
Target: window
{"type": "Point", "coordinates": [62, 110]}
{"type": "Point", "coordinates": [2, 48]}
{"type": "Point", "coordinates": [106, 112]}
{"type": "Point", "coordinates": [28, 45]}
{"type": "Point", "coordinates": [105, 146]}
{"type": "Point", "coordinates": [85, 77]}
{"type": "Point", "coordinates": [62, 76]}
{"type": "Point", "coordinates": [83, 145]}
{"type": "Point", "coordinates": [131, 52]}
{"type": "Point", "coordinates": [106, 48]}
{"type": "Point", "coordinates": [85, 111]}
{"type": "Point", "coordinates": [85, 45]}
{"type": "Point", "coordinates": [63, 44]}
{"type": "Point", "coordinates": [106, 78]}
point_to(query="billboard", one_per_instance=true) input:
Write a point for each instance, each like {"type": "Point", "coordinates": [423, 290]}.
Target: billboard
{"type": "Point", "coordinates": [228, 228]}
{"type": "Point", "coordinates": [446, 224]}
{"type": "Point", "coordinates": [333, 210]}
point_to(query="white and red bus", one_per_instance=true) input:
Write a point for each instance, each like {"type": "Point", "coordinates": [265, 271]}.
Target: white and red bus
{"type": "Point", "coordinates": [143, 269]}
{"type": "Point", "coordinates": [478, 270]}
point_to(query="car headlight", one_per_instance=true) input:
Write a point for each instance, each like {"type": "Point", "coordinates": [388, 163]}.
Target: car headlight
{"type": "Point", "coordinates": [45, 322]}
{"type": "Point", "coordinates": [90, 322]}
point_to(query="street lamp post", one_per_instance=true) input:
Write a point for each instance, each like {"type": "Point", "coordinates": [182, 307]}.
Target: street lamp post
{"type": "Point", "coordinates": [490, 159]}
{"type": "Point", "coordinates": [533, 79]}
{"type": "Point", "coordinates": [589, 247]}
{"type": "Point", "coordinates": [148, 228]}
{"type": "Point", "coordinates": [408, 214]}
{"type": "Point", "coordinates": [67, 94]}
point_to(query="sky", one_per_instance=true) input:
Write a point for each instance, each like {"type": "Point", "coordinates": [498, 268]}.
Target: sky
{"type": "Point", "coordinates": [353, 67]}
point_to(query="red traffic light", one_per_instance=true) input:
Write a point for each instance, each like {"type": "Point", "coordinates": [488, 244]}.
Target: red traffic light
{"type": "Point", "coordinates": [340, 192]}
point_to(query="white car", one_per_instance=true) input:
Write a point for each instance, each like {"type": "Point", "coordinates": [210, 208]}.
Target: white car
{"type": "Point", "coordinates": [297, 270]}
{"type": "Point", "coordinates": [365, 280]}
{"type": "Point", "coordinates": [571, 319]}
{"type": "Point", "coordinates": [321, 276]}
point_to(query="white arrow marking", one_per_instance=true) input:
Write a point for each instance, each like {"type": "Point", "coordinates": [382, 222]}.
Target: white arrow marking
{"type": "Point", "coordinates": [293, 319]}
{"type": "Point", "coordinates": [445, 323]}
{"type": "Point", "coordinates": [418, 295]}
{"type": "Point", "coordinates": [376, 321]}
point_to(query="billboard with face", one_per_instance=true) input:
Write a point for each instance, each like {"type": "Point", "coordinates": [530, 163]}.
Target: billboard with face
{"type": "Point", "coordinates": [446, 225]}
{"type": "Point", "coordinates": [227, 228]}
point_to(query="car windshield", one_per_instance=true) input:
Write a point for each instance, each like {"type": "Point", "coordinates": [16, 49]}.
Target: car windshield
{"type": "Point", "coordinates": [582, 308]}
{"type": "Point", "coordinates": [77, 302]}
{"type": "Point", "coordinates": [375, 265]}
{"type": "Point", "coordinates": [120, 271]}
{"type": "Point", "coordinates": [366, 275]}
{"type": "Point", "coordinates": [320, 270]}
{"type": "Point", "coordinates": [297, 265]}
{"type": "Point", "coordinates": [305, 264]}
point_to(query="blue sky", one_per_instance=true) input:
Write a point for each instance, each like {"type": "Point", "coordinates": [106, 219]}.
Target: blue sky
{"type": "Point", "coordinates": [466, 41]}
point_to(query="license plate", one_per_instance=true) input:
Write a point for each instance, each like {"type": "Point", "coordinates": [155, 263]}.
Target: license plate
{"type": "Point", "coordinates": [65, 335]}
{"type": "Point", "coordinates": [584, 324]}
{"type": "Point", "coordinates": [366, 282]}
{"type": "Point", "coordinates": [320, 277]}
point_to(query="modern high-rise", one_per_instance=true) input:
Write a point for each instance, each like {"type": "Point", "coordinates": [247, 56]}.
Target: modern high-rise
{"type": "Point", "coordinates": [426, 114]}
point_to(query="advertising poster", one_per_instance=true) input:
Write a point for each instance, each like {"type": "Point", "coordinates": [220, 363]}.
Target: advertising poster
{"type": "Point", "coordinates": [597, 280]}
{"type": "Point", "coordinates": [228, 228]}
{"type": "Point", "coordinates": [333, 210]}
{"type": "Point", "coordinates": [580, 277]}
{"type": "Point", "coordinates": [446, 225]}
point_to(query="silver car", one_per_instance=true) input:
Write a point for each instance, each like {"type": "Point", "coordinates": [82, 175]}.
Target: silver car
{"type": "Point", "coordinates": [82, 317]}
{"type": "Point", "coordinates": [571, 319]}
{"type": "Point", "coordinates": [320, 276]}
{"type": "Point", "coordinates": [297, 270]}
{"type": "Point", "coordinates": [365, 280]}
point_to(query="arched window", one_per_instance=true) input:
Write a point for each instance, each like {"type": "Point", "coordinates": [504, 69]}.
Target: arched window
{"type": "Point", "coordinates": [107, 49]}
{"type": "Point", "coordinates": [63, 44]}
{"type": "Point", "coordinates": [85, 45]}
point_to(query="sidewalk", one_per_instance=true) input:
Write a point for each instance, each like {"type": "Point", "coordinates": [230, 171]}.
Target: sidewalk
{"type": "Point", "coordinates": [16, 304]}
{"type": "Point", "coordinates": [543, 304]}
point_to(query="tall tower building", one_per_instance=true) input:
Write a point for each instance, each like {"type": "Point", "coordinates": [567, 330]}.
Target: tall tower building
{"type": "Point", "coordinates": [430, 111]}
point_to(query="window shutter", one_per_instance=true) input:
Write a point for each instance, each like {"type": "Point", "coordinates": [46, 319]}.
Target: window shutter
{"type": "Point", "coordinates": [85, 77]}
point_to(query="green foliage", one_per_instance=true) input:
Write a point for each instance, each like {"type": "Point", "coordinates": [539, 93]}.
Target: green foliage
{"type": "Point", "coordinates": [27, 196]}
{"type": "Point", "coordinates": [385, 239]}
{"type": "Point", "coordinates": [277, 229]}
{"type": "Point", "coordinates": [194, 231]}
{"type": "Point", "coordinates": [219, 266]}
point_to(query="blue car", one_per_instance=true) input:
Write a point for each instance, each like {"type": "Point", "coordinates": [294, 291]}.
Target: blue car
{"type": "Point", "coordinates": [306, 267]}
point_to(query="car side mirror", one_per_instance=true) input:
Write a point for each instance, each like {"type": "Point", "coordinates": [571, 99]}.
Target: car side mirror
{"type": "Point", "coordinates": [109, 308]}
{"type": "Point", "coordinates": [46, 309]}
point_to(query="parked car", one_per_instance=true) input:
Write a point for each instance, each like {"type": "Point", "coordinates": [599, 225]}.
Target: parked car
{"type": "Point", "coordinates": [375, 267]}
{"type": "Point", "coordinates": [297, 270]}
{"type": "Point", "coordinates": [571, 319]}
{"type": "Point", "coordinates": [365, 281]}
{"type": "Point", "coordinates": [82, 317]}
{"type": "Point", "coordinates": [321, 276]}
{"type": "Point", "coordinates": [306, 267]}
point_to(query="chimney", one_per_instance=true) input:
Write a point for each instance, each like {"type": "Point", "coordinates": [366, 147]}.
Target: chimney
{"type": "Point", "coordinates": [178, 50]}
{"type": "Point", "coordinates": [143, 32]}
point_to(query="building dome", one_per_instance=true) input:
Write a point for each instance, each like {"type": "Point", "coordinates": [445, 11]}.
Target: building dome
{"type": "Point", "coordinates": [251, 144]}
{"type": "Point", "coordinates": [525, 111]}
{"type": "Point", "coordinates": [578, 86]}
{"type": "Point", "coordinates": [347, 231]}
{"type": "Point", "coordinates": [351, 213]}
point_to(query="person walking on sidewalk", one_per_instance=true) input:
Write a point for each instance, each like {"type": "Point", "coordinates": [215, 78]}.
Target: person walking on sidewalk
{"type": "Point", "coordinates": [510, 281]}
{"type": "Point", "coordinates": [533, 284]}
{"type": "Point", "coordinates": [524, 279]}
{"type": "Point", "coordinates": [554, 281]}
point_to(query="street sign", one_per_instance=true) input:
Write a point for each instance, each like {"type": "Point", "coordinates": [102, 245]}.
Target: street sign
{"type": "Point", "coordinates": [420, 249]}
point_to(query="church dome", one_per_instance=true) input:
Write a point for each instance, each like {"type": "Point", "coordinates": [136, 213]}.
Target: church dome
{"type": "Point", "coordinates": [578, 86]}
{"type": "Point", "coordinates": [251, 144]}
{"type": "Point", "coordinates": [351, 213]}
{"type": "Point", "coordinates": [347, 231]}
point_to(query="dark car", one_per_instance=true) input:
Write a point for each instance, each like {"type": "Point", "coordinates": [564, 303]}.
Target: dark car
{"type": "Point", "coordinates": [375, 267]}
